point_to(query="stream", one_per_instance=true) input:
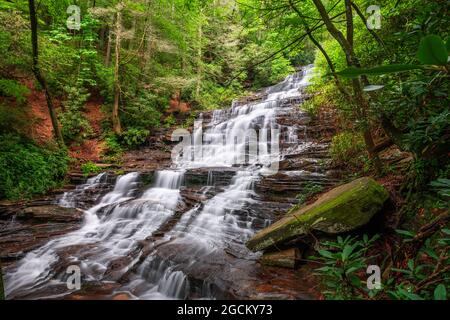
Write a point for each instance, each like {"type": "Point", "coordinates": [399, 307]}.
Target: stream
{"type": "Point", "coordinates": [183, 235]}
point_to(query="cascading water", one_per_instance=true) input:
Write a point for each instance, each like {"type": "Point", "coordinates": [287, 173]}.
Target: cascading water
{"type": "Point", "coordinates": [210, 236]}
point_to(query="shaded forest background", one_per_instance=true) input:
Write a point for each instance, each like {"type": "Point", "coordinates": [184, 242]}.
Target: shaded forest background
{"type": "Point", "coordinates": [136, 66]}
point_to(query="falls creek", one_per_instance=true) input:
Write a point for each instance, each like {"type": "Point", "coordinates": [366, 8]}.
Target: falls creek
{"type": "Point", "coordinates": [180, 232]}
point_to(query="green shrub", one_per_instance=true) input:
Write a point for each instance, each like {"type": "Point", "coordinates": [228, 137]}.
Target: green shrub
{"type": "Point", "coordinates": [170, 121]}
{"type": "Point", "coordinates": [134, 137]}
{"type": "Point", "coordinates": [28, 170]}
{"type": "Point", "coordinates": [89, 168]}
{"type": "Point", "coordinates": [343, 260]}
{"type": "Point", "coordinates": [75, 126]}
{"type": "Point", "coordinates": [348, 148]}
{"type": "Point", "coordinates": [11, 88]}
{"type": "Point", "coordinates": [13, 119]}
{"type": "Point", "coordinates": [144, 110]}
{"type": "Point", "coordinates": [113, 147]}
{"type": "Point", "coordinates": [309, 189]}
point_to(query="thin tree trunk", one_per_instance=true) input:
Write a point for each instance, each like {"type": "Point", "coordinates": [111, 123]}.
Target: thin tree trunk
{"type": "Point", "coordinates": [116, 119]}
{"type": "Point", "coordinates": [199, 56]}
{"type": "Point", "coordinates": [38, 75]}
{"type": "Point", "coordinates": [337, 81]}
{"type": "Point", "coordinates": [364, 20]}
{"type": "Point", "coordinates": [108, 49]}
{"type": "Point", "coordinates": [347, 45]}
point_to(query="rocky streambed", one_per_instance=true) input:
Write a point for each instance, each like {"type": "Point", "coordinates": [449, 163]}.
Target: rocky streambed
{"type": "Point", "coordinates": [166, 230]}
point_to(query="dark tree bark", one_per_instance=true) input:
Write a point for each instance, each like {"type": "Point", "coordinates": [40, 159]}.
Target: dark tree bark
{"type": "Point", "coordinates": [352, 61]}
{"type": "Point", "coordinates": [37, 73]}
{"type": "Point", "coordinates": [115, 115]}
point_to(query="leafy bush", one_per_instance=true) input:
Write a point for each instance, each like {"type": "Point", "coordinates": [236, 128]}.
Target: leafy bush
{"type": "Point", "coordinates": [144, 110]}
{"type": "Point", "coordinates": [75, 126]}
{"type": "Point", "coordinates": [309, 189]}
{"type": "Point", "coordinates": [113, 149]}
{"type": "Point", "coordinates": [89, 168]}
{"type": "Point", "coordinates": [28, 170]}
{"type": "Point", "coordinates": [170, 121]}
{"type": "Point", "coordinates": [425, 276]}
{"type": "Point", "coordinates": [13, 119]}
{"type": "Point", "coordinates": [347, 148]}
{"type": "Point", "coordinates": [11, 88]}
{"type": "Point", "coordinates": [343, 260]}
{"type": "Point", "coordinates": [134, 137]}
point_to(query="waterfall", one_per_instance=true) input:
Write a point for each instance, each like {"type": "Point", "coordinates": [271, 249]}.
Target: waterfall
{"type": "Point", "coordinates": [209, 234]}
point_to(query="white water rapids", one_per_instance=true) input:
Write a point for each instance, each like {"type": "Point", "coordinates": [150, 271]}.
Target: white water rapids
{"type": "Point", "coordinates": [124, 217]}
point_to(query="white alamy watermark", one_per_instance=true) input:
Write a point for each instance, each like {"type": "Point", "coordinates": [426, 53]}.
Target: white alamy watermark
{"type": "Point", "coordinates": [74, 20]}
{"type": "Point", "coordinates": [74, 280]}
{"type": "Point", "coordinates": [374, 19]}
{"type": "Point", "coordinates": [374, 279]}
{"type": "Point", "coordinates": [236, 147]}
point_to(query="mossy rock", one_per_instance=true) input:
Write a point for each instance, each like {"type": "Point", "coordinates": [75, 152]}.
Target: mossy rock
{"type": "Point", "coordinates": [340, 210]}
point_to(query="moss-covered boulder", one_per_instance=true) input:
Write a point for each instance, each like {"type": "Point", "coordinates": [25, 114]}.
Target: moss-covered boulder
{"type": "Point", "coordinates": [342, 209]}
{"type": "Point", "coordinates": [286, 258]}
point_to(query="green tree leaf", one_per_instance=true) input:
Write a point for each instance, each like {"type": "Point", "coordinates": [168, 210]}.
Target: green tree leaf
{"type": "Point", "coordinates": [432, 51]}
{"type": "Point", "coordinates": [353, 72]}
{"type": "Point", "coordinates": [440, 293]}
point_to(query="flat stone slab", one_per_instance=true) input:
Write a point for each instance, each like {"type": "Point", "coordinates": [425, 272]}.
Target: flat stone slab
{"type": "Point", "coordinates": [285, 258]}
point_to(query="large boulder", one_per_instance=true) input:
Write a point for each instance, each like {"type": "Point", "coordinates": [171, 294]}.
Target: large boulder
{"type": "Point", "coordinates": [340, 210]}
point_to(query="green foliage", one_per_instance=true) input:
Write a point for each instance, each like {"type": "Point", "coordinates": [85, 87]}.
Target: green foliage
{"type": "Point", "coordinates": [28, 170]}
{"type": "Point", "coordinates": [170, 121]}
{"type": "Point", "coordinates": [309, 189]}
{"type": "Point", "coordinates": [347, 148]}
{"type": "Point", "coordinates": [134, 137]}
{"type": "Point", "coordinates": [432, 51]}
{"type": "Point", "coordinates": [144, 110]}
{"type": "Point", "coordinates": [13, 119]}
{"type": "Point", "coordinates": [113, 147]}
{"type": "Point", "coordinates": [75, 127]}
{"type": "Point", "coordinates": [442, 187]}
{"type": "Point", "coordinates": [424, 276]}
{"type": "Point", "coordinates": [344, 261]}
{"type": "Point", "coordinates": [90, 168]}
{"type": "Point", "coordinates": [11, 88]}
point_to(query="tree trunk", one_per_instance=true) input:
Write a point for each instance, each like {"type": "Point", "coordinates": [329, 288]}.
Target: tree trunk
{"type": "Point", "coordinates": [115, 116]}
{"type": "Point", "coordinates": [352, 61]}
{"type": "Point", "coordinates": [337, 81]}
{"type": "Point", "coordinates": [199, 56]}
{"type": "Point", "coordinates": [108, 49]}
{"type": "Point", "coordinates": [38, 75]}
